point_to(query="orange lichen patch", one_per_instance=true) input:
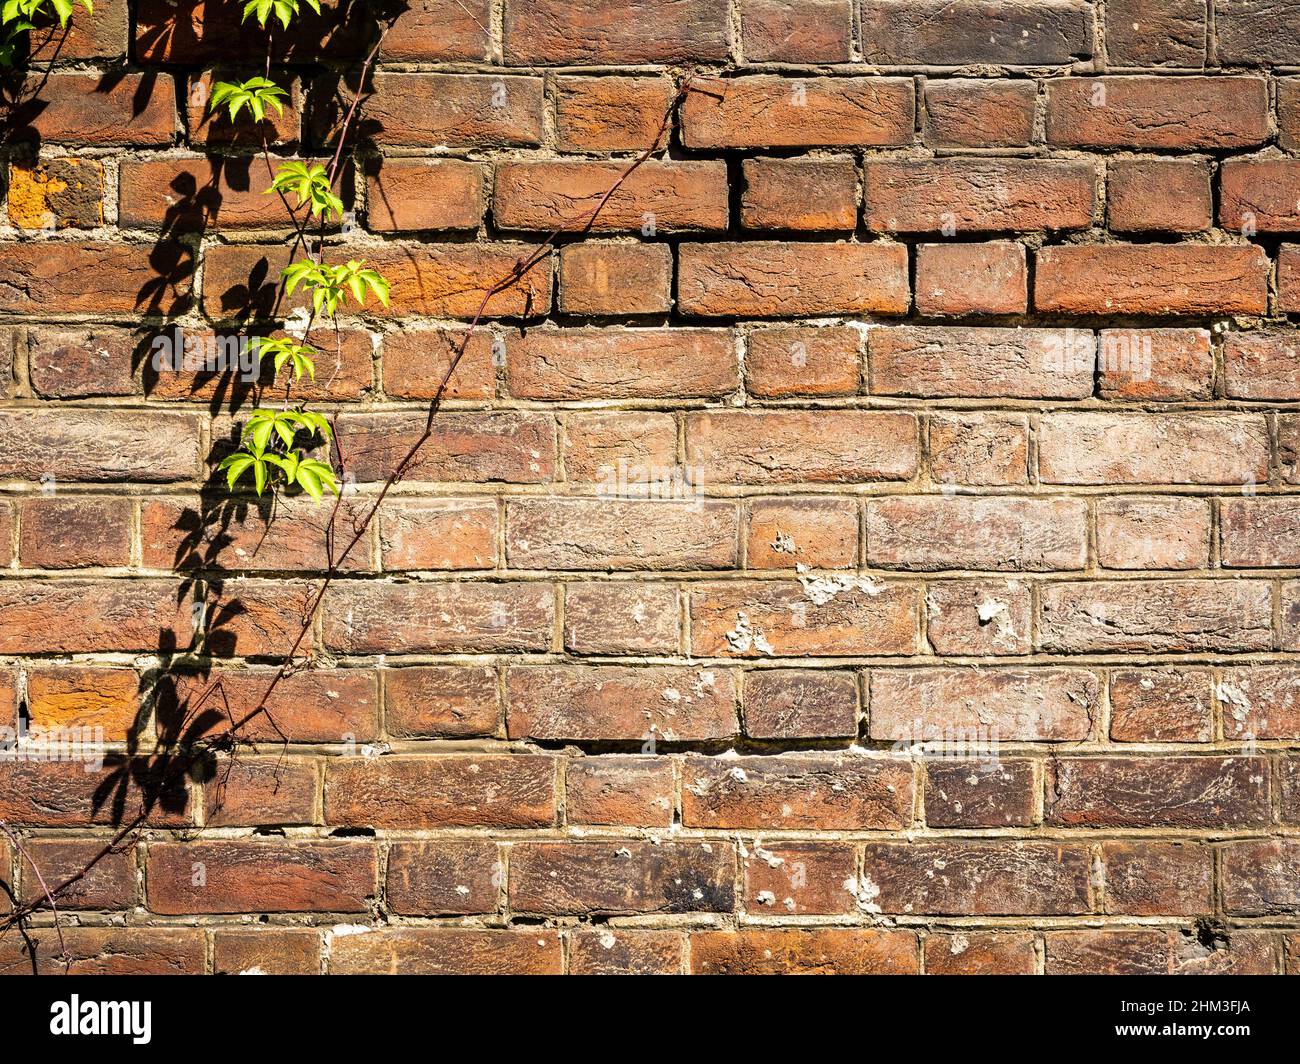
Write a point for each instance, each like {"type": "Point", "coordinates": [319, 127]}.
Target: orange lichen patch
{"type": "Point", "coordinates": [58, 193]}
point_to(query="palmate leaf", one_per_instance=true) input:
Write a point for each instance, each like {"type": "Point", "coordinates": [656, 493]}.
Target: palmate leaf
{"type": "Point", "coordinates": [299, 357]}
{"type": "Point", "coordinates": [257, 94]}
{"type": "Point", "coordinates": [283, 10]}
{"type": "Point", "coordinates": [331, 285]}
{"type": "Point", "coordinates": [310, 183]}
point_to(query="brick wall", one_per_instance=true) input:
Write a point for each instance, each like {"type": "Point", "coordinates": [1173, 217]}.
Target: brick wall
{"type": "Point", "coordinates": [956, 332]}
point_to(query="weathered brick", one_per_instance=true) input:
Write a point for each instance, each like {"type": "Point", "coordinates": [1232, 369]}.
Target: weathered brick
{"type": "Point", "coordinates": [992, 793]}
{"type": "Point", "coordinates": [1145, 952]}
{"type": "Point", "coordinates": [1153, 532]}
{"type": "Point", "coordinates": [1261, 365]}
{"type": "Point", "coordinates": [1104, 448]}
{"type": "Point", "coordinates": [447, 951]}
{"type": "Point", "coordinates": [1259, 702]}
{"type": "Point", "coordinates": [978, 878]}
{"type": "Point", "coordinates": [957, 279]}
{"type": "Point", "coordinates": [431, 31]}
{"type": "Point", "coordinates": [1154, 112]}
{"type": "Point", "coordinates": [800, 194]}
{"type": "Point", "coordinates": [1146, 33]}
{"type": "Point", "coordinates": [369, 618]}
{"type": "Point", "coordinates": [669, 197]}
{"type": "Point", "coordinates": [417, 362]}
{"type": "Point", "coordinates": [610, 113]}
{"type": "Point", "coordinates": [661, 704]}
{"type": "Point", "coordinates": [980, 953]}
{"type": "Point", "coordinates": [624, 791]}
{"type": "Point", "coordinates": [1163, 279]}
{"type": "Point", "coordinates": [213, 126]}
{"type": "Point", "coordinates": [943, 33]}
{"type": "Point", "coordinates": [1255, 34]}
{"type": "Point", "coordinates": [81, 361]}
{"type": "Point", "coordinates": [214, 29]}
{"type": "Point", "coordinates": [769, 111]}
{"type": "Point", "coordinates": [255, 791]}
{"type": "Point", "coordinates": [57, 194]}
{"type": "Point", "coordinates": [74, 533]}
{"type": "Point", "coordinates": [79, 696]}
{"type": "Point", "coordinates": [827, 951]}
{"type": "Point", "coordinates": [64, 794]}
{"type": "Point", "coordinates": [798, 703]}
{"type": "Point", "coordinates": [979, 617]}
{"type": "Point", "coordinates": [551, 32]}
{"type": "Point", "coordinates": [797, 791]}
{"type": "Point", "coordinates": [1094, 616]}
{"type": "Point", "coordinates": [766, 279]}
{"type": "Point", "coordinates": [1161, 705]}
{"type": "Point", "coordinates": [1157, 792]}
{"type": "Point", "coordinates": [974, 362]}
{"type": "Point", "coordinates": [438, 534]}
{"type": "Point", "coordinates": [107, 884]}
{"type": "Point", "coordinates": [797, 879]}
{"type": "Point", "coordinates": [617, 951]}
{"type": "Point", "coordinates": [108, 951]}
{"type": "Point", "coordinates": [622, 364]}
{"type": "Point", "coordinates": [273, 951]}
{"type": "Point", "coordinates": [248, 617]}
{"type": "Point", "coordinates": [1261, 878]}
{"type": "Point", "coordinates": [971, 113]}
{"type": "Point", "coordinates": [1260, 532]}
{"type": "Point", "coordinates": [786, 532]}
{"type": "Point", "coordinates": [600, 278]}
{"type": "Point", "coordinates": [444, 878]}
{"type": "Point", "coordinates": [441, 702]}
{"type": "Point", "coordinates": [1156, 364]}
{"type": "Point", "coordinates": [452, 790]}
{"type": "Point", "coordinates": [76, 107]}
{"type": "Point", "coordinates": [950, 705]}
{"type": "Point", "coordinates": [98, 445]}
{"type": "Point", "coordinates": [793, 360]}
{"type": "Point", "coordinates": [1157, 879]}
{"type": "Point", "coordinates": [784, 447]}
{"type": "Point", "coordinates": [953, 532]}
{"type": "Point", "coordinates": [956, 196]}
{"type": "Point", "coordinates": [576, 878]}
{"type": "Point", "coordinates": [95, 277]}
{"type": "Point", "coordinates": [92, 616]}
{"type": "Point", "coordinates": [103, 36]}
{"type": "Point", "coordinates": [621, 618]}
{"type": "Point", "coordinates": [425, 194]}
{"type": "Point", "coordinates": [980, 449]}
{"type": "Point", "coordinates": [1159, 195]}
{"type": "Point", "coordinates": [839, 615]}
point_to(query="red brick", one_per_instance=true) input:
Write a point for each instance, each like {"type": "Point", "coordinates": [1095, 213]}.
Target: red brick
{"type": "Point", "coordinates": [793, 360]}
{"type": "Point", "coordinates": [512, 446]}
{"type": "Point", "coordinates": [74, 533]}
{"type": "Point", "coordinates": [1288, 113]}
{"type": "Point", "coordinates": [1261, 878]}
{"type": "Point", "coordinates": [256, 618]}
{"type": "Point", "coordinates": [797, 791]}
{"type": "Point", "coordinates": [98, 36]}
{"type": "Point", "coordinates": [438, 534]}
{"type": "Point", "coordinates": [105, 951]}
{"type": "Point", "coordinates": [993, 793]}
{"type": "Point", "coordinates": [552, 32]}
{"type": "Point", "coordinates": [1158, 879]}
{"type": "Point", "coordinates": [1258, 35]}
{"type": "Point", "coordinates": [452, 790]}
{"type": "Point", "coordinates": [57, 194]}
{"type": "Point", "coordinates": [952, 532]}
{"type": "Point", "coordinates": [630, 791]}
{"type": "Point", "coordinates": [1152, 279]}
{"type": "Point", "coordinates": [833, 616]}
{"type": "Point", "coordinates": [599, 278]}
{"type": "Point", "coordinates": [980, 617]}
{"type": "Point", "coordinates": [611, 113]}
{"type": "Point", "coordinates": [661, 704]}
{"type": "Point", "coordinates": [212, 29]}
{"type": "Point", "coordinates": [447, 951]}
{"type": "Point", "coordinates": [980, 953]}
{"type": "Point", "coordinates": [79, 696]}
{"type": "Point", "coordinates": [441, 702]}
{"type": "Point", "coordinates": [1154, 112]}
{"type": "Point", "coordinates": [799, 703]}
{"type": "Point", "coordinates": [439, 30]}
{"type": "Point", "coordinates": [1260, 532]}
{"type": "Point", "coordinates": [1159, 195]}
{"type": "Point", "coordinates": [668, 197]}
{"type": "Point", "coordinates": [80, 361]}
{"type": "Point", "coordinates": [1145, 952]}
{"type": "Point", "coordinates": [1158, 792]}
{"type": "Point", "coordinates": [1088, 448]}
{"type": "Point", "coordinates": [585, 534]}
{"type": "Point", "coordinates": [95, 278]}
{"type": "Point", "coordinates": [622, 364]}
{"type": "Point", "coordinates": [960, 362]}
{"type": "Point", "coordinates": [979, 449]}
{"type": "Point", "coordinates": [63, 794]}
{"type": "Point", "coordinates": [828, 951]}
{"type": "Point", "coordinates": [577, 878]}
{"type": "Point", "coordinates": [1259, 702]}
{"type": "Point", "coordinates": [1153, 532]}
{"type": "Point", "coordinates": [616, 951]}
{"type": "Point", "coordinates": [978, 706]}
{"type": "Point", "coordinates": [800, 879]}
{"type": "Point", "coordinates": [425, 194]}
{"type": "Point", "coordinates": [957, 279]}
{"type": "Point", "coordinates": [449, 877]}
{"type": "Point", "coordinates": [431, 618]}
{"type": "Point", "coordinates": [791, 447]}
{"type": "Point", "coordinates": [971, 113]}
{"type": "Point", "coordinates": [416, 362]}
{"type": "Point", "coordinates": [978, 878]}
{"type": "Point", "coordinates": [273, 951]}
{"type": "Point", "coordinates": [1261, 365]}
{"type": "Point", "coordinates": [770, 111]}
{"type": "Point", "coordinates": [253, 791]}
{"type": "Point", "coordinates": [1156, 364]}
{"type": "Point", "coordinates": [796, 31]}
{"type": "Point", "coordinates": [803, 194]}
{"type": "Point", "coordinates": [98, 445]}
{"type": "Point", "coordinates": [233, 876]}
{"type": "Point", "coordinates": [107, 884]}
{"type": "Point", "coordinates": [1146, 33]}
{"type": "Point", "coordinates": [787, 532]}
{"type": "Point", "coordinates": [1161, 705]}
{"type": "Point", "coordinates": [110, 615]}
{"type": "Point", "coordinates": [957, 196]}
{"type": "Point", "coordinates": [621, 618]}
{"type": "Point", "coordinates": [1155, 616]}
{"type": "Point", "coordinates": [942, 33]}
{"type": "Point", "coordinates": [774, 280]}
{"type": "Point", "coordinates": [75, 107]}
